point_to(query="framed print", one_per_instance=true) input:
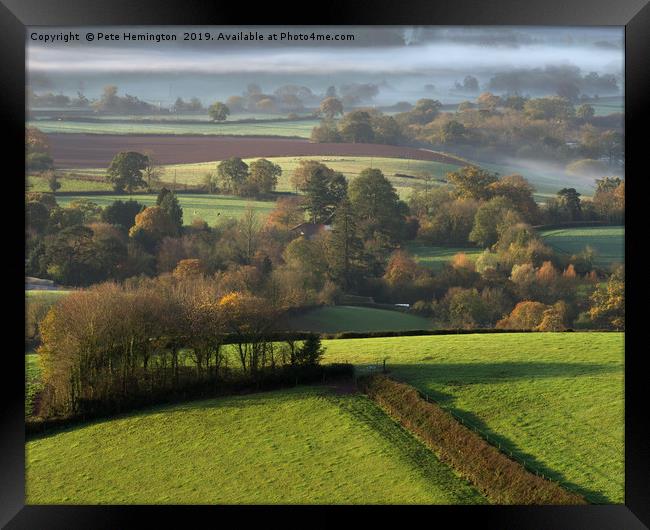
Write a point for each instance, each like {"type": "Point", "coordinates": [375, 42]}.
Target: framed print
{"type": "Point", "coordinates": [373, 262]}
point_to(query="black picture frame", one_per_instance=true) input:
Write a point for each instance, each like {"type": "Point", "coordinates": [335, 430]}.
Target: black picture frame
{"type": "Point", "coordinates": [15, 15]}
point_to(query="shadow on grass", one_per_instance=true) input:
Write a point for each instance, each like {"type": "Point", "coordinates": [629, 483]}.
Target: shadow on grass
{"type": "Point", "coordinates": [415, 452]}
{"type": "Point", "coordinates": [239, 401]}
{"type": "Point", "coordinates": [478, 373]}
{"type": "Point", "coordinates": [421, 376]}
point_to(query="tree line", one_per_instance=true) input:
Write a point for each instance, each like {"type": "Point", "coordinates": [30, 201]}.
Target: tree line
{"type": "Point", "coordinates": [356, 243]}
{"type": "Point", "coordinates": [113, 346]}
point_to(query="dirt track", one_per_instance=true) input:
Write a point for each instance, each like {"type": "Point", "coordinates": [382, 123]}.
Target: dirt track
{"type": "Point", "coordinates": [96, 151]}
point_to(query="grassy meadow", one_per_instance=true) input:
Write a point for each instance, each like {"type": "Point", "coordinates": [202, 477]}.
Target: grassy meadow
{"type": "Point", "coordinates": [210, 208]}
{"type": "Point", "coordinates": [296, 129]}
{"type": "Point", "coordinates": [333, 319]}
{"type": "Point", "coordinates": [554, 399]}
{"type": "Point", "coordinates": [608, 242]}
{"type": "Point", "coordinates": [435, 257]}
{"type": "Point", "coordinates": [303, 445]}
{"type": "Point", "coordinates": [194, 174]}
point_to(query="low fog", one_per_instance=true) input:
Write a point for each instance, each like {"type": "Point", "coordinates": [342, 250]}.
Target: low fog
{"type": "Point", "coordinates": [405, 64]}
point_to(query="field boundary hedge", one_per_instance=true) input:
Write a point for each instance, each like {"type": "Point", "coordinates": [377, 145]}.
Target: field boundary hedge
{"type": "Point", "coordinates": [500, 479]}
{"type": "Point", "coordinates": [425, 332]}
{"type": "Point", "coordinates": [575, 224]}
{"type": "Point", "coordinates": [205, 389]}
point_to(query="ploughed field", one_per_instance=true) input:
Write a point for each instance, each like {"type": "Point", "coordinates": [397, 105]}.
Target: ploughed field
{"type": "Point", "coordinates": [553, 399]}
{"type": "Point", "coordinates": [92, 151]}
{"type": "Point", "coordinates": [302, 445]}
{"type": "Point", "coordinates": [608, 242]}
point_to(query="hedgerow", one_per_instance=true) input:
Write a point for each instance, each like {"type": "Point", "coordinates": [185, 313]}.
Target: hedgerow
{"type": "Point", "coordinates": [501, 479]}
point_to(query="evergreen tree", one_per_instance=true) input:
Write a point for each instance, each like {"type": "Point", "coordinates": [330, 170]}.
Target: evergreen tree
{"type": "Point", "coordinates": [168, 202]}
{"type": "Point", "coordinates": [344, 248]}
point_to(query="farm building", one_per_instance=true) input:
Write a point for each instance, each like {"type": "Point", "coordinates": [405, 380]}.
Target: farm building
{"type": "Point", "coordinates": [311, 230]}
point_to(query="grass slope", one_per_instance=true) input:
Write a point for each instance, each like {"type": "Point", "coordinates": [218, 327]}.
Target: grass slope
{"type": "Point", "coordinates": [607, 241]}
{"type": "Point", "coordinates": [304, 445]}
{"type": "Point", "coordinates": [436, 257]}
{"type": "Point", "coordinates": [210, 208]}
{"type": "Point", "coordinates": [555, 399]}
{"type": "Point", "coordinates": [351, 318]}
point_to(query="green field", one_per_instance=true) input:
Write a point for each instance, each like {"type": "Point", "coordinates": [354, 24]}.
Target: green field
{"type": "Point", "coordinates": [299, 129]}
{"type": "Point", "coordinates": [210, 208]}
{"type": "Point", "coordinates": [304, 445]}
{"type": "Point", "coordinates": [50, 296]}
{"type": "Point", "coordinates": [194, 174]}
{"type": "Point", "coordinates": [38, 183]}
{"type": "Point", "coordinates": [608, 242]}
{"type": "Point", "coordinates": [351, 318]}
{"type": "Point", "coordinates": [554, 399]}
{"type": "Point", "coordinates": [435, 257]}
{"type": "Point", "coordinates": [607, 105]}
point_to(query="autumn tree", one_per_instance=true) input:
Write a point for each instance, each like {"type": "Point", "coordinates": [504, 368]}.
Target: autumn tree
{"type": "Point", "coordinates": [233, 174]}
{"type": "Point", "coordinates": [151, 225]}
{"type": "Point", "coordinates": [525, 315]}
{"type": "Point", "coordinates": [520, 193]}
{"type": "Point", "coordinates": [126, 171]}
{"type": "Point", "coordinates": [218, 111]}
{"type": "Point", "coordinates": [465, 308]}
{"type": "Point", "coordinates": [488, 101]}
{"type": "Point", "coordinates": [288, 212]}
{"type": "Point", "coordinates": [401, 269]}
{"type": "Point", "coordinates": [425, 111]}
{"type": "Point", "coordinates": [554, 317]}
{"type": "Point", "coordinates": [189, 268]}
{"type": "Point", "coordinates": [585, 112]}
{"type": "Point", "coordinates": [330, 107]}
{"type": "Point", "coordinates": [549, 108]}
{"type": "Point", "coordinates": [355, 127]}
{"type": "Point", "coordinates": [492, 219]}
{"type": "Point", "coordinates": [472, 182]}
{"type": "Point", "coordinates": [263, 176]}
{"type": "Point", "coordinates": [608, 302]}
{"type": "Point", "coordinates": [37, 150]}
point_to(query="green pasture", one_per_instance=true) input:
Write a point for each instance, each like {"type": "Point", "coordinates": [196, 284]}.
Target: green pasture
{"type": "Point", "coordinates": [210, 208]}
{"type": "Point", "coordinates": [77, 185]}
{"type": "Point", "coordinates": [553, 399]}
{"type": "Point", "coordinates": [194, 174]}
{"type": "Point", "coordinates": [435, 257]}
{"type": "Point", "coordinates": [608, 242]}
{"type": "Point", "coordinates": [300, 128]}
{"type": "Point", "coordinates": [334, 319]}
{"type": "Point", "coordinates": [298, 446]}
